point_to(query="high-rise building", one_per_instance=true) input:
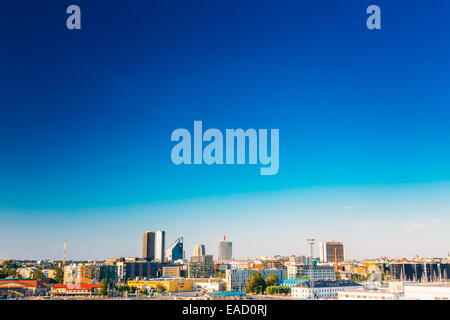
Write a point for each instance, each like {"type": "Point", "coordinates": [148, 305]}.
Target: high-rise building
{"type": "Point", "coordinates": [329, 250]}
{"type": "Point", "coordinates": [225, 250]}
{"type": "Point", "coordinates": [199, 250]}
{"type": "Point", "coordinates": [148, 246]}
{"type": "Point", "coordinates": [175, 250]}
{"type": "Point", "coordinates": [160, 245]}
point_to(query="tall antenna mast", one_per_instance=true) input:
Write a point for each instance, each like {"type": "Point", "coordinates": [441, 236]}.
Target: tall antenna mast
{"type": "Point", "coordinates": [64, 255]}
{"type": "Point", "coordinates": [311, 274]}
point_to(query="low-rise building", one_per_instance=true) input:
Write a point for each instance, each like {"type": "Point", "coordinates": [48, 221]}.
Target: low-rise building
{"type": "Point", "coordinates": [75, 290]}
{"type": "Point", "coordinates": [322, 289]}
{"type": "Point", "coordinates": [373, 294]}
{"type": "Point", "coordinates": [401, 291]}
{"type": "Point", "coordinates": [228, 295]}
{"type": "Point", "coordinates": [210, 286]}
{"type": "Point", "coordinates": [427, 291]}
{"type": "Point", "coordinates": [17, 287]}
{"type": "Point", "coordinates": [172, 285]}
{"type": "Point", "coordinates": [292, 282]}
{"type": "Point", "coordinates": [172, 270]}
{"type": "Point", "coordinates": [322, 272]}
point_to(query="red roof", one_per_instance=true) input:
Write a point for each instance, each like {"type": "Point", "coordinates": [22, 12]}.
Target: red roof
{"type": "Point", "coordinates": [77, 286]}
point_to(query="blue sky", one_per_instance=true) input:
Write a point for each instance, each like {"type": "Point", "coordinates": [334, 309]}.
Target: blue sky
{"type": "Point", "coordinates": [86, 119]}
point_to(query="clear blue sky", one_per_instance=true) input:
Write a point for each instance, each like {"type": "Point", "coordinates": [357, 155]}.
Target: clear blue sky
{"type": "Point", "coordinates": [86, 118]}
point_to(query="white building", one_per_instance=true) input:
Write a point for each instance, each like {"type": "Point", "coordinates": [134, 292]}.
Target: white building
{"type": "Point", "coordinates": [323, 289]}
{"type": "Point", "coordinates": [237, 278]}
{"type": "Point", "coordinates": [295, 271]}
{"type": "Point", "coordinates": [427, 291]}
{"type": "Point", "coordinates": [210, 286]}
{"type": "Point", "coordinates": [238, 264]}
{"type": "Point", "coordinates": [401, 291]}
{"type": "Point", "coordinates": [377, 294]}
{"type": "Point", "coordinates": [160, 245]}
{"type": "Point", "coordinates": [26, 272]}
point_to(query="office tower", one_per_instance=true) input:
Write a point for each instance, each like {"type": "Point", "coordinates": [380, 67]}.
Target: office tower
{"type": "Point", "coordinates": [330, 250]}
{"type": "Point", "coordinates": [225, 250]}
{"type": "Point", "coordinates": [199, 250]}
{"type": "Point", "coordinates": [201, 266]}
{"type": "Point", "coordinates": [148, 246]}
{"type": "Point", "coordinates": [175, 250]}
{"type": "Point", "coordinates": [160, 245]}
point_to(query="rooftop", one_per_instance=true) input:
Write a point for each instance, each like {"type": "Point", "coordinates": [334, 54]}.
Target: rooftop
{"type": "Point", "coordinates": [229, 293]}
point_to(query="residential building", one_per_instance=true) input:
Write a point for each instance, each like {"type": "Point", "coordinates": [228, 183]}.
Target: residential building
{"type": "Point", "coordinates": [172, 270]}
{"type": "Point", "coordinates": [296, 271]}
{"type": "Point", "coordinates": [201, 266]}
{"type": "Point", "coordinates": [108, 273]}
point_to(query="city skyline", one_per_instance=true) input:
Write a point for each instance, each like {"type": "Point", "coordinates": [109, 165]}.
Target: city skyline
{"type": "Point", "coordinates": [385, 234]}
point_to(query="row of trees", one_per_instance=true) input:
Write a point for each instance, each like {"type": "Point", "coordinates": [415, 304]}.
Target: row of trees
{"type": "Point", "coordinates": [125, 288]}
{"type": "Point", "coordinates": [278, 290]}
{"type": "Point", "coordinates": [9, 268]}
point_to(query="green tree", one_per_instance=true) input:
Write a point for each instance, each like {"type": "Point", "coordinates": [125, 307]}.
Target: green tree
{"type": "Point", "coordinates": [160, 288]}
{"type": "Point", "coordinates": [278, 290]}
{"type": "Point", "coordinates": [38, 275]}
{"type": "Point", "coordinates": [9, 264]}
{"type": "Point", "coordinates": [59, 276]}
{"type": "Point", "coordinates": [271, 280]}
{"type": "Point", "coordinates": [122, 288]}
{"type": "Point", "coordinates": [256, 283]}
{"type": "Point", "coordinates": [103, 287]}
